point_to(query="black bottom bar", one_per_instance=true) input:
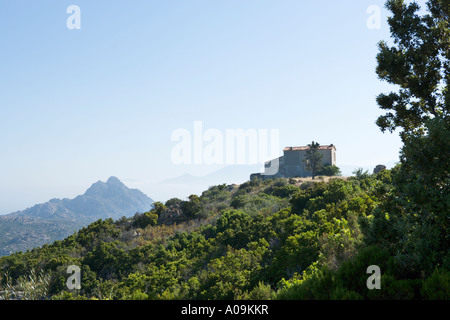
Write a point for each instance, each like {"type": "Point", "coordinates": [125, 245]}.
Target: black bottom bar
{"type": "Point", "coordinates": [220, 309]}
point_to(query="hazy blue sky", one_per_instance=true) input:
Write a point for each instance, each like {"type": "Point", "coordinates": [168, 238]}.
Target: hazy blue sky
{"type": "Point", "coordinates": [77, 106]}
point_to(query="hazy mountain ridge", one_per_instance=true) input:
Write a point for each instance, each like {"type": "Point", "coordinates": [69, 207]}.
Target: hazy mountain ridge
{"type": "Point", "coordinates": [58, 218]}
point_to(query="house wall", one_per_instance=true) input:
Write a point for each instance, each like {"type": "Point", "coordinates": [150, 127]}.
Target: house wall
{"type": "Point", "coordinates": [291, 164]}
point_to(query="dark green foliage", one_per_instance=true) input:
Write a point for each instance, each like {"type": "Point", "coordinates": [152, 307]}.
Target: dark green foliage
{"type": "Point", "coordinates": [283, 191]}
{"type": "Point", "coordinates": [329, 170]}
{"type": "Point", "coordinates": [173, 201]}
{"type": "Point", "coordinates": [437, 286]}
{"type": "Point", "coordinates": [239, 201]}
{"type": "Point", "coordinates": [422, 189]}
{"type": "Point", "coordinates": [407, 232]}
{"type": "Point", "coordinates": [360, 174]}
{"type": "Point", "coordinates": [300, 200]}
{"type": "Point", "coordinates": [192, 207]}
{"type": "Point", "coordinates": [92, 234]}
{"type": "Point", "coordinates": [418, 63]}
{"type": "Point", "coordinates": [145, 219]}
{"type": "Point", "coordinates": [315, 288]}
{"type": "Point", "coordinates": [313, 159]}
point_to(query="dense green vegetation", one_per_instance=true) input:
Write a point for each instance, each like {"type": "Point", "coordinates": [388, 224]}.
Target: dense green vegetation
{"type": "Point", "coordinates": [274, 239]}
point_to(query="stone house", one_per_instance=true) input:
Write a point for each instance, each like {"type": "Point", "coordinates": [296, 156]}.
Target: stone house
{"type": "Point", "coordinates": [291, 164]}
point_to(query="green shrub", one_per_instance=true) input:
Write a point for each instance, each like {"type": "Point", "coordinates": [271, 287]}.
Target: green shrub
{"type": "Point", "coordinates": [352, 273]}
{"type": "Point", "coordinates": [318, 287]}
{"type": "Point", "coordinates": [330, 171]}
{"type": "Point", "coordinates": [344, 294]}
{"type": "Point", "coordinates": [261, 292]}
{"type": "Point", "coordinates": [173, 201]}
{"type": "Point", "coordinates": [239, 201]}
{"type": "Point", "coordinates": [285, 191]}
{"type": "Point", "coordinates": [396, 289]}
{"type": "Point", "coordinates": [437, 286]}
{"type": "Point", "coordinates": [145, 219]}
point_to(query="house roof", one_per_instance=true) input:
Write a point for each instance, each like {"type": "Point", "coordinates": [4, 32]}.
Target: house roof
{"type": "Point", "coordinates": [328, 147]}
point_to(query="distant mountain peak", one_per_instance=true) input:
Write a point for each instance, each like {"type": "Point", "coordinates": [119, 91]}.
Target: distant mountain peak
{"type": "Point", "coordinates": [95, 188]}
{"type": "Point", "coordinates": [58, 218]}
{"type": "Point", "coordinates": [112, 185]}
{"type": "Point", "coordinates": [114, 181]}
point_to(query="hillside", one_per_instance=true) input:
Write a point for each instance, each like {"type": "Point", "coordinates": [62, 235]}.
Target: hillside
{"type": "Point", "coordinates": [273, 239]}
{"type": "Point", "coordinates": [59, 218]}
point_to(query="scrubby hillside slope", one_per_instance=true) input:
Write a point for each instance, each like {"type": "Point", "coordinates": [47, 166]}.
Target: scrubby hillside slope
{"type": "Point", "coordinates": [263, 239]}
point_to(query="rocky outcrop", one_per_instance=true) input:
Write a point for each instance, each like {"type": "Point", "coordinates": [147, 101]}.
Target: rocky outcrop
{"type": "Point", "coordinates": [172, 214]}
{"type": "Point", "coordinates": [379, 168]}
